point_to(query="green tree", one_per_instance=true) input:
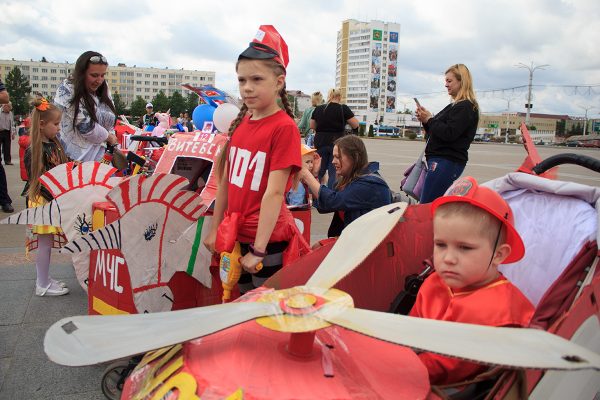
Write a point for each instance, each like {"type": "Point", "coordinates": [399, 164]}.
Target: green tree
{"type": "Point", "coordinates": [294, 104]}
{"type": "Point", "coordinates": [119, 104]}
{"type": "Point", "coordinates": [361, 129]}
{"type": "Point", "coordinates": [191, 103]}
{"type": "Point", "coordinates": [561, 127]}
{"type": "Point", "coordinates": [138, 107]}
{"type": "Point", "coordinates": [19, 89]}
{"type": "Point", "coordinates": [178, 104]}
{"type": "Point", "coordinates": [576, 129]}
{"type": "Point", "coordinates": [160, 102]}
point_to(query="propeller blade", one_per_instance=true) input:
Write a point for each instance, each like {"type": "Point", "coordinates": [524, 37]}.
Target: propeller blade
{"type": "Point", "coordinates": [87, 340]}
{"type": "Point", "coordinates": [507, 347]}
{"type": "Point", "coordinates": [355, 244]}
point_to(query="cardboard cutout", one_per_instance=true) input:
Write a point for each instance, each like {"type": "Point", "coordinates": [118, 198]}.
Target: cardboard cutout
{"type": "Point", "coordinates": [75, 188]}
{"type": "Point", "coordinates": [156, 232]}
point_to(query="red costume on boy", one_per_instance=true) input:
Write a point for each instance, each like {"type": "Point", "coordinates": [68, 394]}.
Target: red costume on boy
{"type": "Point", "coordinates": [498, 303]}
{"type": "Point", "coordinates": [258, 147]}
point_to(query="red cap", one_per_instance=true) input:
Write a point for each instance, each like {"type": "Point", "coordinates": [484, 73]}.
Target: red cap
{"type": "Point", "coordinates": [267, 44]}
{"type": "Point", "coordinates": [468, 191]}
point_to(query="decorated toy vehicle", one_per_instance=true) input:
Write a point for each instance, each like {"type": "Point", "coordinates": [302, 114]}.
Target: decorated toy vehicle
{"type": "Point", "coordinates": [319, 328]}
{"type": "Point", "coordinates": [141, 235]}
{"type": "Point", "coordinates": [161, 221]}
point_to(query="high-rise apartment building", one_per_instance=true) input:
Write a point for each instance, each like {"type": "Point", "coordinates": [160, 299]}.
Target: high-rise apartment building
{"type": "Point", "coordinates": [129, 82]}
{"type": "Point", "coordinates": [366, 65]}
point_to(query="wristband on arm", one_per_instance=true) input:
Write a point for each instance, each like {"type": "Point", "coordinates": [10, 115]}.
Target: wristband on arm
{"type": "Point", "coordinates": [256, 252]}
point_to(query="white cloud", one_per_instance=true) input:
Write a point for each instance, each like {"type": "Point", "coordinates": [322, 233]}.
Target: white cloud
{"type": "Point", "coordinates": [489, 37]}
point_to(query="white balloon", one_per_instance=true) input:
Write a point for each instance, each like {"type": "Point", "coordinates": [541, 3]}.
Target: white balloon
{"type": "Point", "coordinates": [224, 116]}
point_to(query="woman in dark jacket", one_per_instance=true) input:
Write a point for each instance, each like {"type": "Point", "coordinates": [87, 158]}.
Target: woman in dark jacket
{"type": "Point", "coordinates": [329, 120]}
{"type": "Point", "coordinates": [359, 188]}
{"type": "Point", "coordinates": [450, 133]}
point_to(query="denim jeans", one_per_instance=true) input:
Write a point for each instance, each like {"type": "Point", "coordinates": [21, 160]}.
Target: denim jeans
{"type": "Point", "coordinates": [440, 176]}
{"type": "Point", "coordinates": [326, 153]}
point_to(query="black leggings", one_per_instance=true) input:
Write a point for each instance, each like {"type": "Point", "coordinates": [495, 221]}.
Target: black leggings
{"type": "Point", "coordinates": [5, 138]}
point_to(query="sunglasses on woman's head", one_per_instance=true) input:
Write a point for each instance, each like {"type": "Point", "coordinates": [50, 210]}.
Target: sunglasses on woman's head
{"type": "Point", "coordinates": [98, 60]}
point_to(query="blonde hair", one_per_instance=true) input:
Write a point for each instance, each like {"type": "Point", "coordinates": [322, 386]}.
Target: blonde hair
{"type": "Point", "coordinates": [334, 93]}
{"type": "Point", "coordinates": [487, 224]}
{"type": "Point", "coordinates": [50, 113]}
{"type": "Point", "coordinates": [278, 70]}
{"type": "Point", "coordinates": [316, 99]}
{"type": "Point", "coordinates": [466, 92]}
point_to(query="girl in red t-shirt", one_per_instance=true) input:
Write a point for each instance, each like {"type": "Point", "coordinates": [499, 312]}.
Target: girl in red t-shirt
{"type": "Point", "coordinates": [256, 166]}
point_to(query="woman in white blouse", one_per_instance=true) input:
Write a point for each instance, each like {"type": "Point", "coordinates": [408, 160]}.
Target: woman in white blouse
{"type": "Point", "coordinates": [89, 115]}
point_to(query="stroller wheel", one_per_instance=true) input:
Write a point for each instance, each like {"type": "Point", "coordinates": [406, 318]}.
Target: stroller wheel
{"type": "Point", "coordinates": [113, 379]}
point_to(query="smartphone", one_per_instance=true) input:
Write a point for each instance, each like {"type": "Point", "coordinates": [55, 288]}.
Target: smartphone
{"type": "Point", "coordinates": [417, 101]}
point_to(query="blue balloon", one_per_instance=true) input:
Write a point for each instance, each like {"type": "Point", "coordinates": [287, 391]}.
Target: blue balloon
{"type": "Point", "coordinates": [201, 114]}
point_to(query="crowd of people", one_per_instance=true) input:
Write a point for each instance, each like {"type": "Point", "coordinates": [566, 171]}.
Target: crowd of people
{"type": "Point", "coordinates": [332, 172]}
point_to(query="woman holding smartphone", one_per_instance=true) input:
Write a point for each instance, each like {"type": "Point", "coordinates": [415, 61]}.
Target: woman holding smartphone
{"type": "Point", "coordinates": [449, 133]}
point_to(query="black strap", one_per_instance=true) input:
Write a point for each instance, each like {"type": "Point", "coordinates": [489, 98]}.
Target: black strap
{"type": "Point", "coordinates": [405, 300]}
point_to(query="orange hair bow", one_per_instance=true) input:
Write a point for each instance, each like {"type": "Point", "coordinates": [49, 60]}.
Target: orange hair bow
{"type": "Point", "coordinates": [43, 106]}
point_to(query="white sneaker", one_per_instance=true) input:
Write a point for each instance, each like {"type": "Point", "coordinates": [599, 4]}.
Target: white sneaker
{"type": "Point", "coordinates": [53, 289]}
{"type": "Point", "coordinates": [59, 283]}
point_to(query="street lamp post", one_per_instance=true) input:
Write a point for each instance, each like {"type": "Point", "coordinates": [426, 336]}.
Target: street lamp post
{"type": "Point", "coordinates": [404, 103]}
{"type": "Point", "coordinates": [531, 69]}
{"type": "Point", "coordinates": [507, 121]}
{"type": "Point", "coordinates": [585, 118]}
{"type": "Point", "coordinates": [507, 116]}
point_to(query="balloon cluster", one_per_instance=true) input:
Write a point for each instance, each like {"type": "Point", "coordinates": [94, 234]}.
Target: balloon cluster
{"type": "Point", "coordinates": [214, 109]}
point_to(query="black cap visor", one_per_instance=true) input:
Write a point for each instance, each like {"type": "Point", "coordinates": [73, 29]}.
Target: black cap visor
{"type": "Point", "coordinates": [258, 51]}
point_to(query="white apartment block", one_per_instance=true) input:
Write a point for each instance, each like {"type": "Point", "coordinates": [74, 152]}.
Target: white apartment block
{"type": "Point", "coordinates": [366, 68]}
{"type": "Point", "coordinates": [129, 82]}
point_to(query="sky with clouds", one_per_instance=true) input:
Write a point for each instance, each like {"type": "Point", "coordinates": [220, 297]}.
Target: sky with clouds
{"type": "Point", "coordinates": [490, 37]}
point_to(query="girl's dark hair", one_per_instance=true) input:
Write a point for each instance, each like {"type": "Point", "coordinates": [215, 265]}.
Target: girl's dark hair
{"type": "Point", "coordinates": [80, 91]}
{"type": "Point", "coordinates": [277, 70]}
{"type": "Point", "coordinates": [354, 148]}
{"type": "Point", "coordinates": [50, 113]}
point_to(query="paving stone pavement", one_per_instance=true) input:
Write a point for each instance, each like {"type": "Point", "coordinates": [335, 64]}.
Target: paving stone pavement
{"type": "Point", "coordinates": [26, 372]}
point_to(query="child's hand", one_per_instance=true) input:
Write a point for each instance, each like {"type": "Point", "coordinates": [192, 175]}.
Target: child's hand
{"type": "Point", "coordinates": [209, 241]}
{"type": "Point", "coordinates": [249, 262]}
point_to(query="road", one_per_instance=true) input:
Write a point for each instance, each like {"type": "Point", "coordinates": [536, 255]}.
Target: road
{"type": "Point", "coordinates": [25, 371]}
{"type": "Point", "coordinates": [486, 161]}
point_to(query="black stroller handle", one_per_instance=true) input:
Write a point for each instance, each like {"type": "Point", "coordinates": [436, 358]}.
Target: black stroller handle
{"type": "Point", "coordinates": [155, 139]}
{"type": "Point", "coordinates": [567, 158]}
